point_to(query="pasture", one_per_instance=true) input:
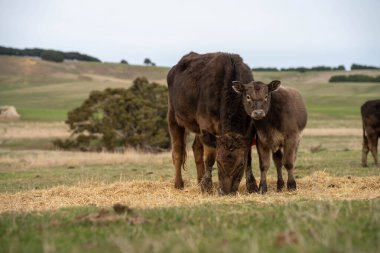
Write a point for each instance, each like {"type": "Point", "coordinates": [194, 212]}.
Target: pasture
{"type": "Point", "coordinates": [56, 201]}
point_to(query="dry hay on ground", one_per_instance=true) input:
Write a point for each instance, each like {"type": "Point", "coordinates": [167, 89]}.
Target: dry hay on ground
{"type": "Point", "coordinates": [152, 194]}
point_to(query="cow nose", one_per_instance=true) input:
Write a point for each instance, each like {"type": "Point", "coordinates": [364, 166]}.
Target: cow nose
{"type": "Point", "coordinates": [258, 114]}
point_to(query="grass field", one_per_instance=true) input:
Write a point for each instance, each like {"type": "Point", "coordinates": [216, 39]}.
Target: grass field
{"type": "Point", "coordinates": [56, 201]}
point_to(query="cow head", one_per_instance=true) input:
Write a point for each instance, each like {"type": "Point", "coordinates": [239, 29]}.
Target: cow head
{"type": "Point", "coordinates": [256, 96]}
{"type": "Point", "coordinates": [231, 157]}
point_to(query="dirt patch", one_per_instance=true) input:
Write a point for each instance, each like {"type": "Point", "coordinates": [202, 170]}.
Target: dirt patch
{"type": "Point", "coordinates": [152, 194]}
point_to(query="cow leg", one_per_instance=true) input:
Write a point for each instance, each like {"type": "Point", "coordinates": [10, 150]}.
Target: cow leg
{"type": "Point", "coordinates": [249, 178]}
{"type": "Point", "coordinates": [264, 160]}
{"type": "Point", "coordinates": [198, 156]}
{"type": "Point", "coordinates": [365, 151]}
{"type": "Point", "coordinates": [373, 141]}
{"type": "Point", "coordinates": [277, 159]}
{"type": "Point", "coordinates": [290, 152]}
{"type": "Point", "coordinates": [209, 158]}
{"type": "Point", "coordinates": [177, 134]}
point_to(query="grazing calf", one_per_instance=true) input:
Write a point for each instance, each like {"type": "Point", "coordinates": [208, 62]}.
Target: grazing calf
{"type": "Point", "coordinates": [201, 100]}
{"type": "Point", "coordinates": [370, 111]}
{"type": "Point", "coordinates": [279, 115]}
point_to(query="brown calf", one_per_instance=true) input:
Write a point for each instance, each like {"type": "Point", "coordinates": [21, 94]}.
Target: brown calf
{"type": "Point", "coordinates": [279, 115]}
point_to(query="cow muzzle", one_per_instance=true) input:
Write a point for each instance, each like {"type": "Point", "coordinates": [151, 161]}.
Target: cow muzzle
{"type": "Point", "coordinates": [258, 114]}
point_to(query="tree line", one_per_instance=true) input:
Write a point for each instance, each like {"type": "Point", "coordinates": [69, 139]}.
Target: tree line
{"type": "Point", "coordinates": [316, 68]}
{"type": "Point", "coordinates": [49, 55]}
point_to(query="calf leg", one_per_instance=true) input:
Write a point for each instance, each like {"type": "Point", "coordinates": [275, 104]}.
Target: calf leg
{"type": "Point", "coordinates": [289, 159]}
{"type": "Point", "coordinates": [264, 160]}
{"type": "Point", "coordinates": [209, 158]}
{"type": "Point", "coordinates": [198, 157]}
{"type": "Point", "coordinates": [249, 178]}
{"type": "Point", "coordinates": [277, 159]}
{"type": "Point", "coordinates": [177, 134]}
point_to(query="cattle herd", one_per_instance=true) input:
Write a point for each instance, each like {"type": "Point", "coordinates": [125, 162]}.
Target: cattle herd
{"type": "Point", "coordinates": [216, 97]}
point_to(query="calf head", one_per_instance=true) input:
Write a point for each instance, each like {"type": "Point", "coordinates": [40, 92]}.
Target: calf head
{"type": "Point", "coordinates": [256, 96]}
{"type": "Point", "coordinates": [231, 157]}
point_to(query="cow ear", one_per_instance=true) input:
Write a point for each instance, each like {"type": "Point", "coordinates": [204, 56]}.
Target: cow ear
{"type": "Point", "coordinates": [274, 85]}
{"type": "Point", "coordinates": [237, 86]}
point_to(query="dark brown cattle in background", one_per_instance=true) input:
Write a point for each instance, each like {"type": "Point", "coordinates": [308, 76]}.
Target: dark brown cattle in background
{"type": "Point", "coordinates": [279, 115]}
{"type": "Point", "coordinates": [370, 111]}
{"type": "Point", "coordinates": [201, 100]}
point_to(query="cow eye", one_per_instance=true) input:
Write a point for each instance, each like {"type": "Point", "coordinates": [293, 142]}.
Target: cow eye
{"type": "Point", "coordinates": [266, 98]}
{"type": "Point", "coordinates": [248, 97]}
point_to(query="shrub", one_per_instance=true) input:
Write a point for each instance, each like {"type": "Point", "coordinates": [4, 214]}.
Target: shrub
{"type": "Point", "coordinates": [51, 55]}
{"type": "Point", "coordinates": [354, 78]}
{"type": "Point", "coordinates": [114, 118]}
{"type": "Point", "coordinates": [123, 62]}
{"type": "Point", "coordinates": [359, 66]}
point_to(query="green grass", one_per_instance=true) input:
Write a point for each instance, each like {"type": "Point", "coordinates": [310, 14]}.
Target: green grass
{"type": "Point", "coordinates": [316, 226]}
{"type": "Point", "coordinates": [14, 177]}
{"type": "Point", "coordinates": [42, 114]}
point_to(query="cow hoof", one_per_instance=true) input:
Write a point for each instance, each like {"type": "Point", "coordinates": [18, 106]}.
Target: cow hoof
{"type": "Point", "coordinates": [280, 185]}
{"type": "Point", "coordinates": [179, 185]}
{"type": "Point", "coordinates": [206, 184]}
{"type": "Point", "coordinates": [292, 186]}
{"type": "Point", "coordinates": [263, 188]}
{"type": "Point", "coordinates": [364, 165]}
{"type": "Point", "coordinates": [252, 187]}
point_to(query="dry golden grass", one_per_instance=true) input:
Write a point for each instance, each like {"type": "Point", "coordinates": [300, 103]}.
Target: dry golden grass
{"type": "Point", "coordinates": [33, 130]}
{"type": "Point", "coordinates": [333, 132]}
{"type": "Point", "coordinates": [152, 194]}
{"type": "Point", "coordinates": [26, 130]}
{"type": "Point", "coordinates": [47, 159]}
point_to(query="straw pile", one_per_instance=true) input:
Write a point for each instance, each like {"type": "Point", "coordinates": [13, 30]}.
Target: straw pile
{"type": "Point", "coordinates": [152, 194]}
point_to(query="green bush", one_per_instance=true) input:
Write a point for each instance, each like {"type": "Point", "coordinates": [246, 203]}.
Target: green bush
{"type": "Point", "coordinates": [120, 118]}
{"type": "Point", "coordinates": [354, 78]}
{"type": "Point", "coordinates": [359, 66]}
{"type": "Point", "coordinates": [51, 55]}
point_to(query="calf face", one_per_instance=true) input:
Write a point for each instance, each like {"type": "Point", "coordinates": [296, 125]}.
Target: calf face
{"type": "Point", "coordinates": [231, 156]}
{"type": "Point", "coordinates": [256, 96]}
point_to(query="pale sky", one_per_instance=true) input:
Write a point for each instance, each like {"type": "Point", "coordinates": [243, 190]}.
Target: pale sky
{"type": "Point", "coordinates": [276, 33]}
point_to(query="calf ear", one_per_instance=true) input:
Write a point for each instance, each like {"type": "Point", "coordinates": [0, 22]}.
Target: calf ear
{"type": "Point", "coordinates": [237, 86]}
{"type": "Point", "coordinates": [274, 85]}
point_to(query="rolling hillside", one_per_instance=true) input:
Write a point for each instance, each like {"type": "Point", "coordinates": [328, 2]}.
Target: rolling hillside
{"type": "Point", "coordinates": [46, 91]}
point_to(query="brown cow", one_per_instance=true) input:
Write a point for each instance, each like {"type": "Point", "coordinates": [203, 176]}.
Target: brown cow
{"type": "Point", "coordinates": [279, 115]}
{"type": "Point", "coordinates": [370, 111]}
{"type": "Point", "coordinates": [201, 100]}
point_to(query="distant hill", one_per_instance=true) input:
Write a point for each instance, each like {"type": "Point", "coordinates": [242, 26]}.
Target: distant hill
{"type": "Point", "coordinates": [39, 52]}
{"type": "Point", "coordinates": [31, 67]}
{"type": "Point", "coordinates": [43, 90]}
